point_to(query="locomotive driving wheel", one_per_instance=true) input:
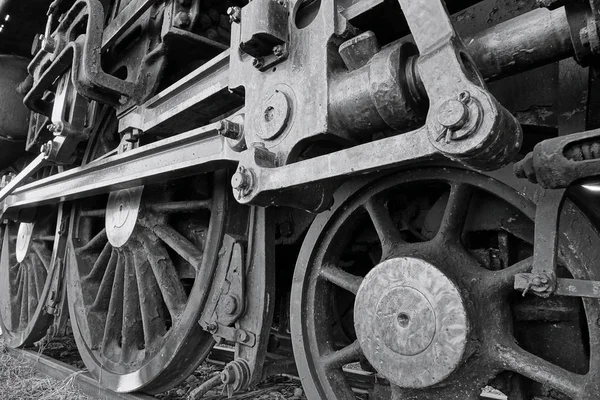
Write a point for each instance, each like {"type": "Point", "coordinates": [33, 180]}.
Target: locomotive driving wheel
{"type": "Point", "coordinates": [426, 259]}
{"type": "Point", "coordinates": [30, 255]}
{"type": "Point", "coordinates": [141, 266]}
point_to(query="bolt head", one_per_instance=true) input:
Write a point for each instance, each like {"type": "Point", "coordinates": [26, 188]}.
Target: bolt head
{"type": "Point", "coordinates": [278, 50]}
{"type": "Point", "coordinates": [235, 14]}
{"type": "Point", "coordinates": [212, 327]}
{"type": "Point", "coordinates": [240, 180]}
{"type": "Point", "coordinates": [243, 336]}
{"type": "Point", "coordinates": [258, 63]}
{"type": "Point", "coordinates": [452, 114]}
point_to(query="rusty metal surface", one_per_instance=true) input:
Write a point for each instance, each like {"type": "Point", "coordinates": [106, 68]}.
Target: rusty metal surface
{"type": "Point", "coordinates": [368, 210]}
{"type": "Point", "coordinates": [312, 94]}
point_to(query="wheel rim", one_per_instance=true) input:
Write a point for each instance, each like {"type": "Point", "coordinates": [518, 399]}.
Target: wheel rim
{"type": "Point", "coordinates": [323, 271]}
{"type": "Point", "coordinates": [27, 262]}
{"type": "Point", "coordinates": [136, 291]}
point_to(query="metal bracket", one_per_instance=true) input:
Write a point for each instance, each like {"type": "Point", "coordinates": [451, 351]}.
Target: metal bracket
{"type": "Point", "coordinates": [542, 279]}
{"type": "Point", "coordinates": [234, 335]}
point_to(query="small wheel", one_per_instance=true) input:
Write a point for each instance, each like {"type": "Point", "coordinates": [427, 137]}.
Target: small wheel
{"type": "Point", "coordinates": [141, 262]}
{"type": "Point", "coordinates": [427, 260]}
{"type": "Point", "coordinates": [28, 259]}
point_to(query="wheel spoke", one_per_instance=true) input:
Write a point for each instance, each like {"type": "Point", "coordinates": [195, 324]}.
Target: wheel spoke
{"type": "Point", "coordinates": [23, 319]}
{"type": "Point", "coordinates": [107, 255]}
{"type": "Point", "coordinates": [388, 234]}
{"type": "Point", "coordinates": [43, 254]}
{"type": "Point", "coordinates": [180, 244]}
{"type": "Point", "coordinates": [132, 325]}
{"type": "Point", "coordinates": [167, 278]}
{"type": "Point", "coordinates": [39, 278]}
{"type": "Point", "coordinates": [96, 243]}
{"type": "Point", "coordinates": [114, 318]}
{"type": "Point", "coordinates": [104, 290]}
{"type": "Point", "coordinates": [455, 213]}
{"type": "Point", "coordinates": [32, 298]}
{"type": "Point", "coordinates": [341, 278]}
{"type": "Point", "coordinates": [149, 293]}
{"type": "Point", "coordinates": [339, 358]}
{"type": "Point", "coordinates": [504, 279]}
{"type": "Point", "coordinates": [513, 358]}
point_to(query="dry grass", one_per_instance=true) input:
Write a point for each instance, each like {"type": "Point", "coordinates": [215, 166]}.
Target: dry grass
{"type": "Point", "coordinates": [18, 380]}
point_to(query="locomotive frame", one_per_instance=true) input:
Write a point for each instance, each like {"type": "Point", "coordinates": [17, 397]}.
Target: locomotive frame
{"type": "Point", "coordinates": [311, 109]}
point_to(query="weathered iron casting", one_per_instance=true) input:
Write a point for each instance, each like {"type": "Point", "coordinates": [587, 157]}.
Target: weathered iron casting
{"type": "Point", "coordinates": [207, 147]}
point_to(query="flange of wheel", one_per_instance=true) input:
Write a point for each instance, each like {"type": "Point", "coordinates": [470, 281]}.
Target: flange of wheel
{"type": "Point", "coordinates": [141, 263]}
{"type": "Point", "coordinates": [425, 261]}
{"type": "Point", "coordinates": [30, 254]}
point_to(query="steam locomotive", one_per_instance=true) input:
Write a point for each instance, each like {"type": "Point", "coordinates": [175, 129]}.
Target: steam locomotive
{"type": "Point", "coordinates": [391, 199]}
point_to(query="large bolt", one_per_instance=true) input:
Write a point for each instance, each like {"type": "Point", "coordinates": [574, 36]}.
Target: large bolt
{"type": "Point", "coordinates": [452, 114]}
{"type": "Point", "coordinates": [243, 336]}
{"type": "Point", "coordinates": [212, 327]}
{"type": "Point", "coordinates": [241, 180]}
{"type": "Point", "coordinates": [235, 14]}
{"type": "Point", "coordinates": [230, 129]}
{"type": "Point", "coordinates": [279, 51]}
{"type": "Point", "coordinates": [258, 63]}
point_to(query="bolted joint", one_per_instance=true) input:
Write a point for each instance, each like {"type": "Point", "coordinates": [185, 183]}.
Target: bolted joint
{"type": "Point", "coordinates": [258, 62]}
{"type": "Point", "coordinates": [242, 181]}
{"type": "Point", "coordinates": [541, 284]}
{"type": "Point", "coordinates": [230, 129]}
{"type": "Point", "coordinates": [235, 14]}
{"type": "Point", "coordinates": [279, 51]}
{"type": "Point", "coordinates": [212, 327]}
{"type": "Point", "coordinates": [56, 128]}
{"type": "Point", "coordinates": [46, 148]}
{"type": "Point", "coordinates": [459, 118]}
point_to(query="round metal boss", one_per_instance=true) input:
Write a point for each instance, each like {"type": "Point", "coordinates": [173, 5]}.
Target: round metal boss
{"type": "Point", "coordinates": [121, 214]}
{"type": "Point", "coordinates": [275, 116]}
{"type": "Point", "coordinates": [411, 322]}
{"type": "Point", "coordinates": [23, 240]}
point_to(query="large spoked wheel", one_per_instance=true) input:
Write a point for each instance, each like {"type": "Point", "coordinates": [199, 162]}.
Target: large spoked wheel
{"type": "Point", "coordinates": [141, 263]}
{"type": "Point", "coordinates": [27, 263]}
{"type": "Point", "coordinates": [409, 278]}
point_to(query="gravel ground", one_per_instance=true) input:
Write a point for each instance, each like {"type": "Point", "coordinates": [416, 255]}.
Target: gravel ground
{"type": "Point", "coordinates": [19, 381]}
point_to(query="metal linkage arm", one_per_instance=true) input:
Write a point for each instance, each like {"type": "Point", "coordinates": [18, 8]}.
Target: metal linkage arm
{"type": "Point", "coordinates": [464, 123]}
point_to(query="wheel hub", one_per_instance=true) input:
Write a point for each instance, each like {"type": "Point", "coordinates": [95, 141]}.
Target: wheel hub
{"type": "Point", "coordinates": [122, 212]}
{"type": "Point", "coordinates": [23, 240]}
{"type": "Point", "coordinates": [411, 322]}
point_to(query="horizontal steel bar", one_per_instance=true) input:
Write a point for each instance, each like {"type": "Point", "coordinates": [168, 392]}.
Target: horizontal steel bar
{"type": "Point", "coordinates": [383, 154]}
{"type": "Point", "coordinates": [124, 20]}
{"type": "Point", "coordinates": [186, 154]}
{"type": "Point", "coordinates": [194, 100]}
{"type": "Point", "coordinates": [577, 288]}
